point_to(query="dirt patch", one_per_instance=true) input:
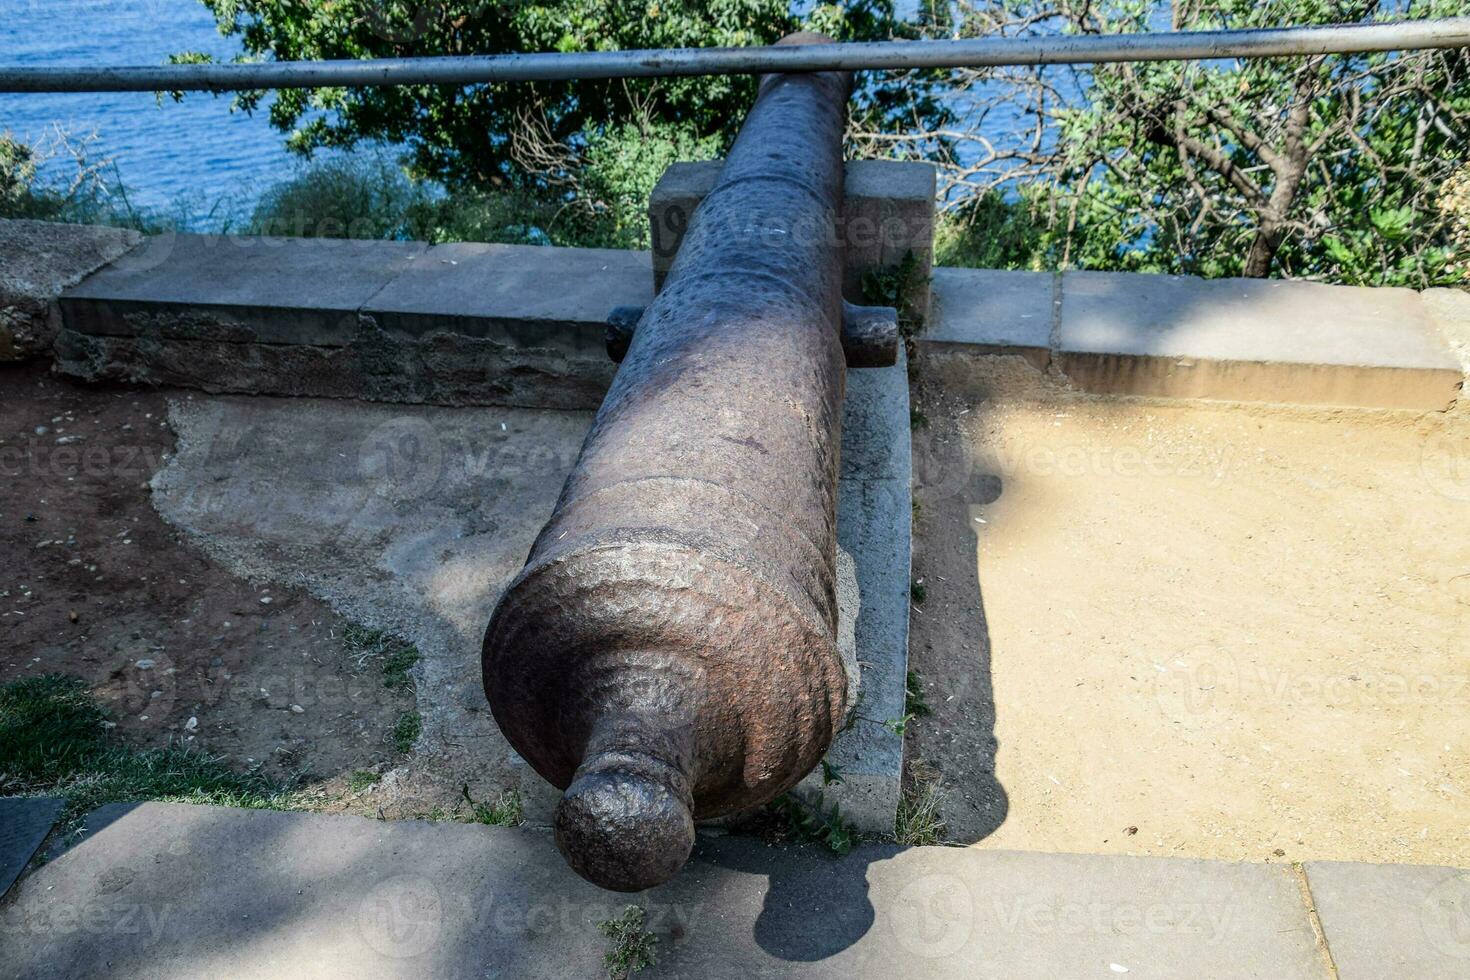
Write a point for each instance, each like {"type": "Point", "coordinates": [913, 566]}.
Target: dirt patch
{"type": "Point", "coordinates": [1198, 630]}
{"type": "Point", "coordinates": [176, 647]}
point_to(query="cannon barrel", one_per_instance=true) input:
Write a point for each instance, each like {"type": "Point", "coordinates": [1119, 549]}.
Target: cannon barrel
{"type": "Point", "coordinates": [668, 653]}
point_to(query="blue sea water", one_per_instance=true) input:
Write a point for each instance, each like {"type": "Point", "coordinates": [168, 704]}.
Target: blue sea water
{"type": "Point", "coordinates": [197, 152]}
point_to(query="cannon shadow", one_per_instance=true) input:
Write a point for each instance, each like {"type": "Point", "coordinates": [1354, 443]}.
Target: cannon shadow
{"type": "Point", "coordinates": [954, 745]}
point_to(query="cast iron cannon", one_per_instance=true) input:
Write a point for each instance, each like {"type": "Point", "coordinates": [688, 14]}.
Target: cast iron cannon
{"type": "Point", "coordinates": [668, 653]}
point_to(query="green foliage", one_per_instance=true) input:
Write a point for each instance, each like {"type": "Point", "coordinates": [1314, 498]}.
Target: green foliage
{"type": "Point", "coordinates": [831, 775]}
{"type": "Point", "coordinates": [406, 731]}
{"type": "Point", "coordinates": [49, 727]}
{"type": "Point", "coordinates": [918, 823]}
{"type": "Point", "coordinates": [918, 591]}
{"type": "Point", "coordinates": [632, 943]}
{"type": "Point", "coordinates": [17, 174]}
{"type": "Point", "coordinates": [397, 666]}
{"type": "Point", "coordinates": [52, 741]}
{"type": "Point", "coordinates": [91, 194]}
{"type": "Point", "coordinates": [914, 703]}
{"type": "Point", "coordinates": [462, 135]}
{"type": "Point", "coordinates": [815, 823]}
{"type": "Point", "coordinates": [1322, 167]}
{"type": "Point", "coordinates": [339, 197]}
{"type": "Point", "coordinates": [991, 231]}
{"type": "Point", "coordinates": [899, 726]}
{"type": "Point", "coordinates": [897, 287]}
{"type": "Point", "coordinates": [395, 656]}
{"type": "Point", "coordinates": [565, 162]}
{"type": "Point", "coordinates": [361, 779]}
{"type": "Point", "coordinates": [623, 163]}
{"type": "Point", "coordinates": [507, 810]}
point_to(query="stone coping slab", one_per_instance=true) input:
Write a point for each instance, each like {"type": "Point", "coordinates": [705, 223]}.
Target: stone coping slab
{"type": "Point", "coordinates": [237, 288]}
{"type": "Point", "coordinates": [523, 325]}
{"type": "Point", "coordinates": [173, 890]}
{"type": "Point", "coordinates": [552, 295]}
{"type": "Point", "coordinates": [1185, 337]}
{"type": "Point", "coordinates": [992, 311]}
{"type": "Point", "coordinates": [1254, 340]}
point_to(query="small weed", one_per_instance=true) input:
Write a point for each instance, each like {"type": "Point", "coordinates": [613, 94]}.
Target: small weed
{"type": "Point", "coordinates": [896, 287]}
{"type": "Point", "coordinates": [406, 730]}
{"type": "Point", "coordinates": [814, 823]}
{"type": "Point", "coordinates": [854, 713]}
{"type": "Point", "coordinates": [919, 591]}
{"type": "Point", "coordinates": [831, 774]}
{"type": "Point", "coordinates": [506, 811]}
{"type": "Point", "coordinates": [898, 725]}
{"type": "Point", "coordinates": [918, 822]}
{"type": "Point", "coordinates": [632, 943]}
{"type": "Point", "coordinates": [918, 510]}
{"type": "Point", "coordinates": [914, 704]}
{"type": "Point", "coordinates": [361, 780]}
{"type": "Point", "coordinates": [397, 666]}
{"type": "Point", "coordinates": [917, 420]}
{"type": "Point", "coordinates": [365, 645]}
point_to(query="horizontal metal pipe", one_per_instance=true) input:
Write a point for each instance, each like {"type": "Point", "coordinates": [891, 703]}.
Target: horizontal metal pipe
{"type": "Point", "coordinates": [878, 55]}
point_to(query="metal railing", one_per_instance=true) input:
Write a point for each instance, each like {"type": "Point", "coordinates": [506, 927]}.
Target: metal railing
{"type": "Point", "coordinates": [879, 55]}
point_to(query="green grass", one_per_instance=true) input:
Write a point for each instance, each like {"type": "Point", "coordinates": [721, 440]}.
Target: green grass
{"type": "Point", "coordinates": [362, 779]}
{"type": "Point", "coordinates": [406, 731]}
{"type": "Point", "coordinates": [52, 741]}
{"type": "Point", "coordinates": [918, 822]}
{"type": "Point", "coordinates": [632, 943]}
{"type": "Point", "coordinates": [914, 703]}
{"type": "Point", "coordinates": [919, 591]}
{"type": "Point", "coordinates": [366, 645]}
{"type": "Point", "coordinates": [506, 811]}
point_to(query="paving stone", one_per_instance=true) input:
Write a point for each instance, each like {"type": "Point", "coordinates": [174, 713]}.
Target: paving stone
{"type": "Point", "coordinates": [237, 289]}
{"type": "Point", "coordinates": [1253, 340]}
{"type": "Point", "coordinates": [24, 824]}
{"type": "Point", "coordinates": [986, 311]}
{"type": "Point", "coordinates": [1393, 920]}
{"type": "Point", "coordinates": [171, 890]}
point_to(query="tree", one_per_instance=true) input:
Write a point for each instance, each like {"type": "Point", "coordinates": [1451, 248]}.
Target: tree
{"type": "Point", "coordinates": [587, 152]}
{"type": "Point", "coordinates": [1328, 166]}
{"type": "Point", "coordinates": [462, 135]}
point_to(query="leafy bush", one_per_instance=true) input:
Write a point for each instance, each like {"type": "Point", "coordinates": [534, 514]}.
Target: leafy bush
{"type": "Point", "coordinates": [340, 197]}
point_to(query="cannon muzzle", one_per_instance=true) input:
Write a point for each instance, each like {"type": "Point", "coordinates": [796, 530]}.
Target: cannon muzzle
{"type": "Point", "coordinates": [669, 651]}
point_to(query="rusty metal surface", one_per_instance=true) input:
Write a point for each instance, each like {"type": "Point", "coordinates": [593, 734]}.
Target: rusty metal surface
{"type": "Point", "coordinates": [668, 653]}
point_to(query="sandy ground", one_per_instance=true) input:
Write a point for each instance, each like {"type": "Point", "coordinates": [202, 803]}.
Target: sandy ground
{"type": "Point", "coordinates": [1210, 631]}
{"type": "Point", "coordinates": [1221, 632]}
{"type": "Point", "coordinates": [96, 585]}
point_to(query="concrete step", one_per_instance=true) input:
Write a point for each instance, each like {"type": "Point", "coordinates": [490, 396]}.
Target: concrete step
{"type": "Point", "coordinates": [171, 890]}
